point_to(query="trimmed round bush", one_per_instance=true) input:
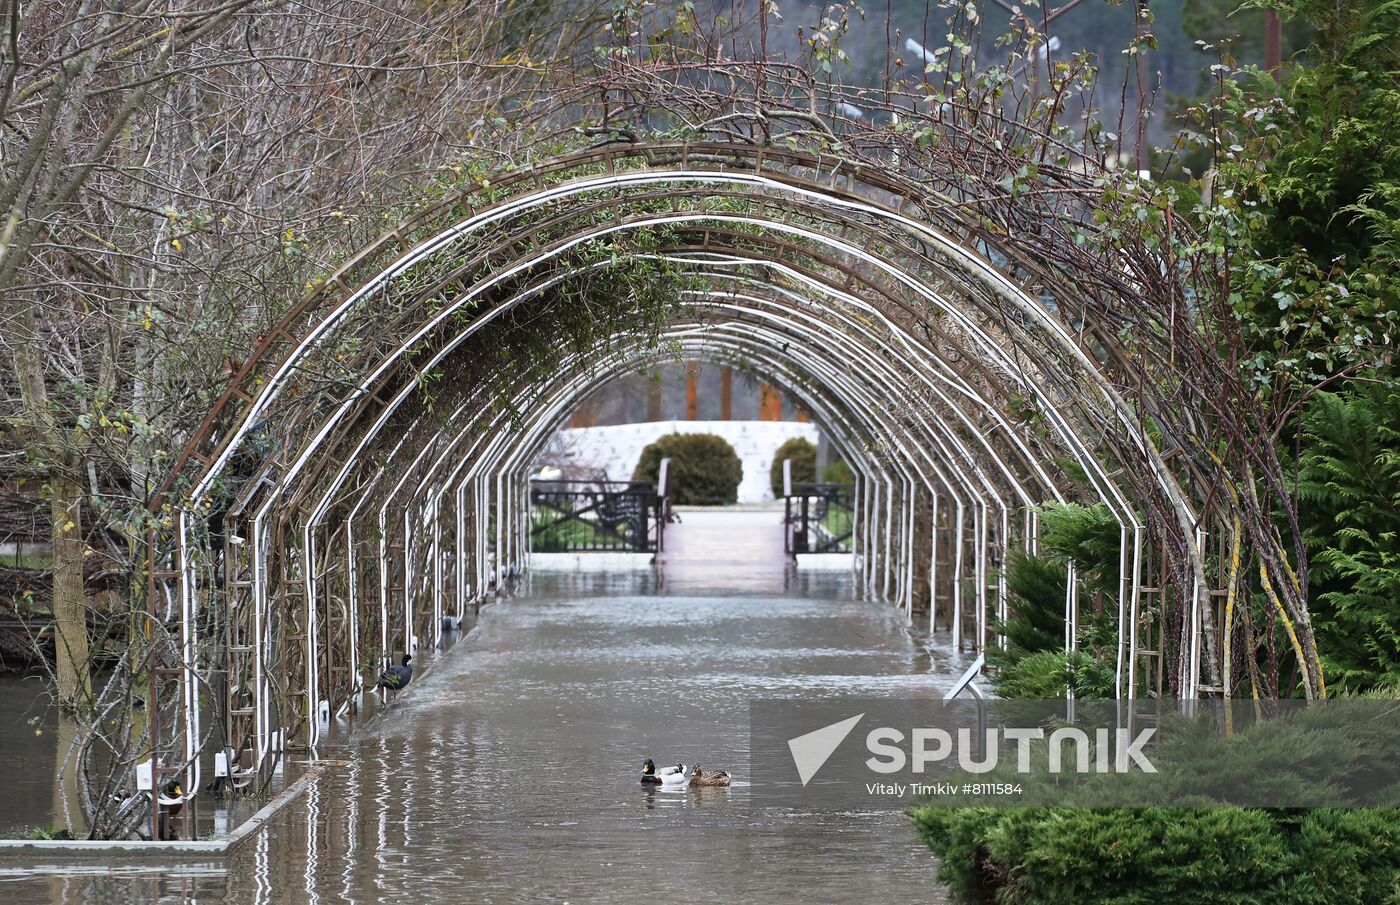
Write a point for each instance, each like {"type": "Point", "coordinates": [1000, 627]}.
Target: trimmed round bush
{"type": "Point", "coordinates": [705, 470]}
{"type": "Point", "coordinates": [804, 464]}
{"type": "Point", "coordinates": [838, 472]}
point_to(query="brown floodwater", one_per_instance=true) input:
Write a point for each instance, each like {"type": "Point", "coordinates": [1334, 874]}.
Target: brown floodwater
{"type": "Point", "coordinates": [29, 745]}
{"type": "Point", "coordinates": [508, 773]}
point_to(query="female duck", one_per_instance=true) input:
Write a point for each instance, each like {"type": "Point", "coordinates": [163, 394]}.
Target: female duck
{"type": "Point", "coordinates": [700, 777]}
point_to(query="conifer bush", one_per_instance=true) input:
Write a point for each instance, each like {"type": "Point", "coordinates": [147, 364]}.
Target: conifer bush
{"type": "Point", "coordinates": [1032, 662]}
{"type": "Point", "coordinates": [838, 472]}
{"type": "Point", "coordinates": [804, 464]}
{"type": "Point", "coordinates": [705, 470]}
{"type": "Point", "coordinates": [1148, 856]}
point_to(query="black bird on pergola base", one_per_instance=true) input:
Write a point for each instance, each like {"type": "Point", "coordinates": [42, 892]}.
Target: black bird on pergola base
{"type": "Point", "coordinates": [396, 678]}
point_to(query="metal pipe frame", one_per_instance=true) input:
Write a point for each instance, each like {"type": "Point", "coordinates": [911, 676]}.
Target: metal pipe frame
{"type": "Point", "coordinates": [920, 462]}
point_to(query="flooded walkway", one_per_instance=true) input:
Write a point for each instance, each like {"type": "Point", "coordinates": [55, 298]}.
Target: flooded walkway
{"type": "Point", "coordinates": [509, 772]}
{"type": "Point", "coordinates": [708, 550]}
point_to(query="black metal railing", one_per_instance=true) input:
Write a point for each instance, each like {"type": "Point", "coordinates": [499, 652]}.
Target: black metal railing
{"type": "Point", "coordinates": [819, 518]}
{"type": "Point", "coordinates": [596, 516]}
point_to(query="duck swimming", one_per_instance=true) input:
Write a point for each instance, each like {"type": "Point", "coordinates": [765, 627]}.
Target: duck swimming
{"type": "Point", "coordinates": [396, 678]}
{"type": "Point", "coordinates": [700, 777]}
{"type": "Point", "coordinates": [666, 776]}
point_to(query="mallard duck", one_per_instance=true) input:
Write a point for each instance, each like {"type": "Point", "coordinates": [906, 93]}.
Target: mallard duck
{"type": "Point", "coordinates": [396, 678]}
{"type": "Point", "coordinates": [700, 777]}
{"type": "Point", "coordinates": [172, 798]}
{"type": "Point", "coordinates": [666, 776]}
{"type": "Point", "coordinates": [136, 808]}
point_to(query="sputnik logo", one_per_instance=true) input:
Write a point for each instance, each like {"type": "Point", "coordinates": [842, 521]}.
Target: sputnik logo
{"type": "Point", "coordinates": [812, 750]}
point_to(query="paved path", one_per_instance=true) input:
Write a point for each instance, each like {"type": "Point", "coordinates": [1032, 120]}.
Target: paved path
{"type": "Point", "coordinates": [724, 547]}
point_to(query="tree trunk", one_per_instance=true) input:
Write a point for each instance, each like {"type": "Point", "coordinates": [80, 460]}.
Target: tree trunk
{"type": "Point", "coordinates": [654, 398]}
{"type": "Point", "coordinates": [692, 391]}
{"type": "Point", "coordinates": [770, 403]}
{"type": "Point", "coordinates": [68, 812]}
{"type": "Point", "coordinates": [1273, 43]}
{"type": "Point", "coordinates": [1142, 29]}
{"type": "Point", "coordinates": [69, 598]}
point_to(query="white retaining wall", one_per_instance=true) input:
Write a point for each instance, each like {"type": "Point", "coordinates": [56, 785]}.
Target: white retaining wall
{"type": "Point", "coordinates": [617, 447]}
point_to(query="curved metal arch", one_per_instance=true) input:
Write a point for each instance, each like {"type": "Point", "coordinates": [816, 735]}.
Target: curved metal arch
{"type": "Point", "coordinates": [980, 571]}
{"type": "Point", "coordinates": [544, 398]}
{"type": "Point", "coordinates": [1031, 307]}
{"type": "Point", "coordinates": [1006, 289]}
{"type": "Point", "coordinates": [1004, 528]}
{"type": "Point", "coordinates": [951, 379]}
{"type": "Point", "coordinates": [785, 165]}
{"type": "Point", "coordinates": [1066, 430]}
{"type": "Point", "coordinates": [894, 383]}
{"type": "Point", "coordinates": [310, 661]}
{"type": "Point", "coordinates": [812, 327]}
{"type": "Point", "coordinates": [309, 545]}
{"type": "Point", "coordinates": [436, 359]}
{"type": "Point", "coordinates": [424, 480]}
{"type": "Point", "coordinates": [519, 445]}
{"type": "Point", "coordinates": [962, 489]}
{"type": "Point", "coordinates": [324, 499]}
{"type": "Point", "coordinates": [442, 454]}
{"type": "Point", "coordinates": [991, 411]}
{"type": "Point", "coordinates": [965, 451]}
{"type": "Point", "coordinates": [1136, 527]}
{"type": "Point", "coordinates": [563, 401]}
{"type": "Point", "coordinates": [1125, 571]}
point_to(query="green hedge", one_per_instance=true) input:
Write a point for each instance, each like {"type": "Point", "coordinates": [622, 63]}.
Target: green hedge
{"type": "Point", "coordinates": [705, 470]}
{"type": "Point", "coordinates": [804, 464]}
{"type": "Point", "coordinates": [1152, 856]}
{"type": "Point", "coordinates": [838, 472]}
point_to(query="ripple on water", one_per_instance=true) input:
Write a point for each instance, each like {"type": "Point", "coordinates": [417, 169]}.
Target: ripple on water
{"type": "Point", "coordinates": [508, 772]}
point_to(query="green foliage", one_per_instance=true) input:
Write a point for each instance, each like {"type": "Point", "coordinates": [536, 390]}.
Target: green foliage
{"type": "Point", "coordinates": [1033, 662]}
{"type": "Point", "coordinates": [1120, 856]}
{"type": "Point", "coordinates": [1037, 619]}
{"type": "Point", "coordinates": [1349, 488]}
{"type": "Point", "coordinates": [1306, 196]}
{"type": "Point", "coordinates": [618, 288]}
{"type": "Point", "coordinates": [1039, 856]}
{"type": "Point", "coordinates": [804, 463]}
{"type": "Point", "coordinates": [1088, 536]}
{"type": "Point", "coordinates": [838, 472]}
{"type": "Point", "coordinates": [1351, 856]}
{"type": "Point", "coordinates": [1045, 675]}
{"type": "Point", "coordinates": [705, 470]}
{"type": "Point", "coordinates": [549, 535]}
{"type": "Point", "coordinates": [838, 522]}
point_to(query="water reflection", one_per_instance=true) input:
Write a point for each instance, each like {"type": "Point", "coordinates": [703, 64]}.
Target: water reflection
{"type": "Point", "coordinates": [509, 772]}
{"type": "Point", "coordinates": [29, 753]}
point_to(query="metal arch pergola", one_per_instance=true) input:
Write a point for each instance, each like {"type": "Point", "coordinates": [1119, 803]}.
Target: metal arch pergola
{"type": "Point", "coordinates": [844, 285]}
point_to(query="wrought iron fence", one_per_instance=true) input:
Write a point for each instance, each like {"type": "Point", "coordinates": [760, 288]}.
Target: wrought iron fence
{"type": "Point", "coordinates": [595, 516]}
{"type": "Point", "coordinates": [819, 518]}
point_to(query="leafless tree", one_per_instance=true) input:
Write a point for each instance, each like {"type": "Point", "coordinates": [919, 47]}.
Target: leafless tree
{"type": "Point", "coordinates": [172, 174]}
